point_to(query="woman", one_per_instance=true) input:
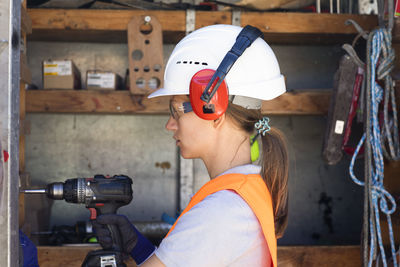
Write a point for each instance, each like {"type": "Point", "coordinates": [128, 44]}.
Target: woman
{"type": "Point", "coordinates": [235, 218]}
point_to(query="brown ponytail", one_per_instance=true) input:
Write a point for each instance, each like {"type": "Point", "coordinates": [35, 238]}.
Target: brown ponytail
{"type": "Point", "coordinates": [275, 162]}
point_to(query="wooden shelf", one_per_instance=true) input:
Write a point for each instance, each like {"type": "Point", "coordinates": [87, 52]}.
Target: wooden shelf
{"type": "Point", "coordinates": [110, 25]}
{"type": "Point", "coordinates": [122, 102]}
{"type": "Point", "coordinates": [300, 256]}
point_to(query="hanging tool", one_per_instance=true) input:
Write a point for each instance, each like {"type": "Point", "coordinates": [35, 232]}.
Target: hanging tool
{"type": "Point", "coordinates": [348, 84]}
{"type": "Point", "coordinates": [101, 195]}
{"type": "Point", "coordinates": [145, 47]}
{"type": "Point", "coordinates": [339, 110]}
{"type": "Point", "coordinates": [353, 110]}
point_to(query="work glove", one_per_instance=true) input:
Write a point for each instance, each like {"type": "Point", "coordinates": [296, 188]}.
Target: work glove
{"type": "Point", "coordinates": [133, 242]}
{"type": "Point", "coordinates": [29, 251]}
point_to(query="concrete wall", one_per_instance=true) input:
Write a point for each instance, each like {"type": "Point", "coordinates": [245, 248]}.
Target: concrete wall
{"type": "Point", "coordinates": [322, 197]}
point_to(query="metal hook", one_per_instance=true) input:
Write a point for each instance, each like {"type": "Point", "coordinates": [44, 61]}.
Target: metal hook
{"type": "Point", "coordinates": [363, 33]}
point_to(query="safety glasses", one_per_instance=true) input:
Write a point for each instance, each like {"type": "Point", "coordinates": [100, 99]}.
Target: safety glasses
{"type": "Point", "coordinates": [176, 110]}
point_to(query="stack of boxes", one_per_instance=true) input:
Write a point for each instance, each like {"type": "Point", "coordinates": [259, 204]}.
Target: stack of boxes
{"type": "Point", "coordinates": [63, 74]}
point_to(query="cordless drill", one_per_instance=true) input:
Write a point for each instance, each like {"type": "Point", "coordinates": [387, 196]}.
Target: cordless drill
{"type": "Point", "coordinates": [101, 195]}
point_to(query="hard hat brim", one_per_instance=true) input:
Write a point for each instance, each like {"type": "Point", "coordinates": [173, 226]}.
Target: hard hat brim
{"type": "Point", "coordinates": [166, 92]}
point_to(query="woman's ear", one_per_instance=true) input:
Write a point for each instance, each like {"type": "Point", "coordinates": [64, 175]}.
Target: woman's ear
{"type": "Point", "coordinates": [218, 122]}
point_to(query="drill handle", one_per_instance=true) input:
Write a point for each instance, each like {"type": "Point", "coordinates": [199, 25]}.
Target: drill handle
{"type": "Point", "coordinates": [116, 238]}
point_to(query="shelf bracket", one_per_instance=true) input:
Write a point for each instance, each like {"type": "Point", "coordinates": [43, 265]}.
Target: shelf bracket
{"type": "Point", "coordinates": [236, 19]}
{"type": "Point", "coordinates": [190, 20]}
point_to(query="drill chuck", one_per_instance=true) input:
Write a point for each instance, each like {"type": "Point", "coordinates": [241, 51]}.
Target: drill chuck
{"type": "Point", "coordinates": [55, 191]}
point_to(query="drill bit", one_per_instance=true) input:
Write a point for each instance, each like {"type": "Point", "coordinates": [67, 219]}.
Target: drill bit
{"type": "Point", "coordinates": [34, 191]}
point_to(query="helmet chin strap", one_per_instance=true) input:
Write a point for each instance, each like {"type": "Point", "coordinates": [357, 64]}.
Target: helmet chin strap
{"type": "Point", "coordinates": [245, 102]}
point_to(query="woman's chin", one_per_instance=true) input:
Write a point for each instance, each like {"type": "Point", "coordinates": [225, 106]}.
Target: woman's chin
{"type": "Point", "coordinates": [186, 155]}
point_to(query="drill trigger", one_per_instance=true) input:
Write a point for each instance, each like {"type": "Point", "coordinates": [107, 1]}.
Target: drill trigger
{"type": "Point", "coordinates": [93, 213]}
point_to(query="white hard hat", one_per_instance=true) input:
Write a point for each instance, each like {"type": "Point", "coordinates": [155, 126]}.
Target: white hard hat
{"type": "Point", "coordinates": [255, 74]}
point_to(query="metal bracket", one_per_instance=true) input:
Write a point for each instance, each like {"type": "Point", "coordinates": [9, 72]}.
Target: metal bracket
{"type": "Point", "coordinates": [236, 19]}
{"type": "Point", "coordinates": [190, 20]}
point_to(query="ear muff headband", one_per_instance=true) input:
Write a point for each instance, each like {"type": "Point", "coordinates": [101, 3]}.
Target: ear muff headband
{"type": "Point", "coordinates": [207, 101]}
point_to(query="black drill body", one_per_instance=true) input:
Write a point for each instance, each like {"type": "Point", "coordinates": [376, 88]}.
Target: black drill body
{"type": "Point", "coordinates": [102, 195]}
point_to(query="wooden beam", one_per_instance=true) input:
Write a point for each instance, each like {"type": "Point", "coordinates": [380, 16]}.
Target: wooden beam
{"type": "Point", "coordinates": [319, 256]}
{"type": "Point", "coordinates": [100, 19]}
{"type": "Point", "coordinates": [288, 256]}
{"type": "Point", "coordinates": [122, 102]}
{"type": "Point", "coordinates": [22, 112]}
{"type": "Point", "coordinates": [26, 22]}
{"type": "Point", "coordinates": [306, 23]}
{"type": "Point", "coordinates": [269, 22]}
{"type": "Point", "coordinates": [93, 101]}
{"type": "Point", "coordinates": [111, 25]}
{"type": "Point", "coordinates": [25, 72]}
{"type": "Point", "coordinates": [299, 103]}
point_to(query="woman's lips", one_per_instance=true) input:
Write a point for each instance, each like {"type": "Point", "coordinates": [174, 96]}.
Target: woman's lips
{"type": "Point", "coordinates": [177, 141]}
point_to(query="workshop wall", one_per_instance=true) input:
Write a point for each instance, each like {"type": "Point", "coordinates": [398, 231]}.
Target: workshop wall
{"type": "Point", "coordinates": [325, 206]}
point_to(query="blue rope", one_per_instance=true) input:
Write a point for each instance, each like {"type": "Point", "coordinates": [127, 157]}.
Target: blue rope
{"type": "Point", "coordinates": [380, 47]}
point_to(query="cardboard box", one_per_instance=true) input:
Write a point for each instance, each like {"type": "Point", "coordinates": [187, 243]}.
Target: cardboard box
{"type": "Point", "coordinates": [61, 74]}
{"type": "Point", "coordinates": [102, 80]}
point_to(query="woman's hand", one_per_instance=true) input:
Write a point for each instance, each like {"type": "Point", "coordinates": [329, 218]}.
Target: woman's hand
{"type": "Point", "coordinates": [133, 242]}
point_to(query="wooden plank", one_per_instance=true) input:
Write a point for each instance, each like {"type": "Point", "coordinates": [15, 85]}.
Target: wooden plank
{"type": "Point", "coordinates": [86, 101]}
{"type": "Point", "coordinates": [93, 101]}
{"type": "Point", "coordinates": [26, 28]}
{"type": "Point", "coordinates": [72, 256]}
{"type": "Point", "coordinates": [288, 256]}
{"type": "Point", "coordinates": [108, 20]}
{"type": "Point", "coordinates": [22, 111]}
{"type": "Point", "coordinates": [99, 25]}
{"type": "Point", "coordinates": [319, 256]}
{"type": "Point", "coordinates": [269, 22]}
{"type": "Point", "coordinates": [307, 23]}
{"type": "Point", "coordinates": [26, 22]}
{"type": "Point", "coordinates": [300, 103]}
{"type": "Point", "coordinates": [25, 72]}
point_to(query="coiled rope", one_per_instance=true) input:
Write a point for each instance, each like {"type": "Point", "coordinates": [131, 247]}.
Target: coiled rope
{"type": "Point", "coordinates": [379, 52]}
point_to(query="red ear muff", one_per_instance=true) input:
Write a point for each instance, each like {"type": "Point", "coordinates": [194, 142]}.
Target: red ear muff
{"type": "Point", "coordinates": [218, 103]}
{"type": "Point", "coordinates": [208, 91]}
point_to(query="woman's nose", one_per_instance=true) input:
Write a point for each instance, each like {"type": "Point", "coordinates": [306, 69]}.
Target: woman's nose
{"type": "Point", "coordinates": [171, 124]}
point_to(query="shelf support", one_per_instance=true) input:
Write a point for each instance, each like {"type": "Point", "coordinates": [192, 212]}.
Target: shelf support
{"type": "Point", "coordinates": [10, 31]}
{"type": "Point", "coordinates": [236, 19]}
{"type": "Point", "coordinates": [190, 20]}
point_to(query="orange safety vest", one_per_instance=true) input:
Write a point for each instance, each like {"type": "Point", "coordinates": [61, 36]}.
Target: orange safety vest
{"type": "Point", "coordinates": [253, 190]}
